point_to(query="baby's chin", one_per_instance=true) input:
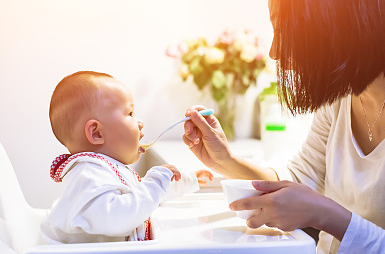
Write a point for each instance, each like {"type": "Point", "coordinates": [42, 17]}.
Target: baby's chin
{"type": "Point", "coordinates": [134, 158]}
{"type": "Point", "coordinates": [137, 157]}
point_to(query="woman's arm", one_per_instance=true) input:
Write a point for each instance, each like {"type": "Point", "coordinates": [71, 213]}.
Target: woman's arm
{"type": "Point", "coordinates": [239, 168]}
{"type": "Point", "coordinates": [362, 236]}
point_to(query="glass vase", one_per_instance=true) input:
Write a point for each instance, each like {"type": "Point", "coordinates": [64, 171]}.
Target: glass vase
{"type": "Point", "coordinates": [226, 115]}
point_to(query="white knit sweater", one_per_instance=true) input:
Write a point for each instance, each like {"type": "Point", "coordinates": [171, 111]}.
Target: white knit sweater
{"type": "Point", "coordinates": [96, 206]}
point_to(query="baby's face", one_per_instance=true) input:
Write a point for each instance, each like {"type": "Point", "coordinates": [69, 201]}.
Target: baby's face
{"type": "Point", "coordinates": [121, 129]}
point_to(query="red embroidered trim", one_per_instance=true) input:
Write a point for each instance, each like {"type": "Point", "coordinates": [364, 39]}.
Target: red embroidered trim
{"type": "Point", "coordinates": [64, 159]}
{"type": "Point", "coordinates": [56, 175]}
{"type": "Point", "coordinates": [55, 164]}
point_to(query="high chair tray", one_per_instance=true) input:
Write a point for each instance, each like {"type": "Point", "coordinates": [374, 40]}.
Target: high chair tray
{"type": "Point", "coordinates": [199, 223]}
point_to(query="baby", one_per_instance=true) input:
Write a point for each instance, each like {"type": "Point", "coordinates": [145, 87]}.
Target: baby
{"type": "Point", "coordinates": [104, 200]}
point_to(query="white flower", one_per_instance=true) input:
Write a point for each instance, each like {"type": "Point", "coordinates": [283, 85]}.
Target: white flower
{"type": "Point", "coordinates": [201, 51]}
{"type": "Point", "coordinates": [242, 39]}
{"type": "Point", "coordinates": [249, 53]}
{"type": "Point", "coordinates": [214, 56]}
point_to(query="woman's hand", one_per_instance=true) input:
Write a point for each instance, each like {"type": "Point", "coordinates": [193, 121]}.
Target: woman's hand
{"type": "Point", "coordinates": [288, 206]}
{"type": "Point", "coordinates": [205, 138]}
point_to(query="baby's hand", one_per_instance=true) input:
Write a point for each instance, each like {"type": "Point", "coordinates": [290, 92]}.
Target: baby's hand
{"type": "Point", "coordinates": [175, 171]}
{"type": "Point", "coordinates": [204, 173]}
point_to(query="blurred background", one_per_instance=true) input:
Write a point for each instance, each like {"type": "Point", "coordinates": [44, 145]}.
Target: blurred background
{"type": "Point", "coordinates": [138, 42]}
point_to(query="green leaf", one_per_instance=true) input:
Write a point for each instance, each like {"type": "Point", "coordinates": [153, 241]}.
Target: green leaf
{"type": "Point", "coordinates": [271, 90]}
{"type": "Point", "coordinates": [188, 56]}
{"type": "Point", "coordinates": [218, 94]}
{"type": "Point", "coordinates": [201, 79]}
{"type": "Point", "coordinates": [195, 66]}
{"type": "Point", "coordinates": [218, 79]}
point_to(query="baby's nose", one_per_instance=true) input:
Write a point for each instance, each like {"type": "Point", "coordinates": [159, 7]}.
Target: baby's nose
{"type": "Point", "coordinates": [140, 124]}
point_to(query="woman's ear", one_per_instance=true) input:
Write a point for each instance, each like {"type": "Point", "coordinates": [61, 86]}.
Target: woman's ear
{"type": "Point", "coordinates": [93, 132]}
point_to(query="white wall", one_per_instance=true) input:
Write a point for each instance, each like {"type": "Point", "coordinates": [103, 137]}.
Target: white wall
{"type": "Point", "coordinates": [41, 41]}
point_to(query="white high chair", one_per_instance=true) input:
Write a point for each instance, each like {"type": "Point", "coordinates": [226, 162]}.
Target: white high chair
{"type": "Point", "coordinates": [192, 224]}
{"type": "Point", "coordinates": [19, 222]}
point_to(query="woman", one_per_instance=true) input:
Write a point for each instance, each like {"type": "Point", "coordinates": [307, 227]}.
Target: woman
{"type": "Point", "coordinates": [331, 60]}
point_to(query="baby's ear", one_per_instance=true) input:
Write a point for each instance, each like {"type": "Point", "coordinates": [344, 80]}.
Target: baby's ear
{"type": "Point", "coordinates": [93, 132]}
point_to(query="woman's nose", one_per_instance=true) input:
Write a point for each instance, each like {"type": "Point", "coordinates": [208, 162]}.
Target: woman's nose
{"type": "Point", "coordinates": [273, 53]}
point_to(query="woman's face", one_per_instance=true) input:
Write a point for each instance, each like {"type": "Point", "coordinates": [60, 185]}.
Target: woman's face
{"type": "Point", "coordinates": [273, 9]}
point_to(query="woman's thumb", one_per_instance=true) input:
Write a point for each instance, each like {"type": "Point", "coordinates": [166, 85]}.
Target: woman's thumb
{"type": "Point", "coordinates": [268, 186]}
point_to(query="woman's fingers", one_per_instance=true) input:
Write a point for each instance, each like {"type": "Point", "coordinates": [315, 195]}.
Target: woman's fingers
{"type": "Point", "coordinates": [195, 107]}
{"type": "Point", "coordinates": [251, 203]}
{"type": "Point", "coordinates": [257, 220]}
{"type": "Point", "coordinates": [201, 123]}
{"type": "Point", "coordinates": [257, 202]}
{"type": "Point", "coordinates": [261, 201]}
{"type": "Point", "coordinates": [187, 141]}
{"type": "Point", "coordinates": [190, 131]}
{"type": "Point", "coordinates": [195, 128]}
{"type": "Point", "coordinates": [269, 186]}
{"type": "Point", "coordinates": [190, 140]}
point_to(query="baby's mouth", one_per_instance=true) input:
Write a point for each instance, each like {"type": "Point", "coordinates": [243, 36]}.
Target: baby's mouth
{"type": "Point", "coordinates": [141, 150]}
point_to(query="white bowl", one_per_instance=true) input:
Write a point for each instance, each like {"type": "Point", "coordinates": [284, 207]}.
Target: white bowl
{"type": "Point", "coordinates": [235, 189]}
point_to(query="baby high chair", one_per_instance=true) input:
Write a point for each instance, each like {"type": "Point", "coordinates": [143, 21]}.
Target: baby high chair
{"type": "Point", "coordinates": [195, 223]}
{"type": "Point", "coordinates": [19, 222]}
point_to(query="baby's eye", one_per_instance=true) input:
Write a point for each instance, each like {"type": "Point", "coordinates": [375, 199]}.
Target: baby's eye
{"type": "Point", "coordinates": [131, 113]}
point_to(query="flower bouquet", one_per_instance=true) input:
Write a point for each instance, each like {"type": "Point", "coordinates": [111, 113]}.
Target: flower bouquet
{"type": "Point", "coordinates": [228, 67]}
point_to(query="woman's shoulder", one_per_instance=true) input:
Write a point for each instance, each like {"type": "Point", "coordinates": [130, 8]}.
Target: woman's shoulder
{"type": "Point", "coordinates": [336, 109]}
{"type": "Point", "coordinates": [338, 104]}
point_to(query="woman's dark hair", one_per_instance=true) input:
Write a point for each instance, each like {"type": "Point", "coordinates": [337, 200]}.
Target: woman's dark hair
{"type": "Point", "coordinates": [328, 49]}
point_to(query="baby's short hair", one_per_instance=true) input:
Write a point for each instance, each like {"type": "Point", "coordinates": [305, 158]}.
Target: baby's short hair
{"type": "Point", "coordinates": [75, 94]}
